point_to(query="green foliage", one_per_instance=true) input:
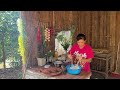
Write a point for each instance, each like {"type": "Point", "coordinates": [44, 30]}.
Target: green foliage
{"type": "Point", "coordinates": [66, 46]}
{"type": "Point", "coordinates": [64, 41]}
{"type": "Point", "coordinates": [20, 76]}
{"type": "Point", "coordinates": [50, 54]}
{"type": "Point", "coordinates": [42, 46]}
{"type": "Point", "coordinates": [8, 27]}
{"type": "Point", "coordinates": [60, 37]}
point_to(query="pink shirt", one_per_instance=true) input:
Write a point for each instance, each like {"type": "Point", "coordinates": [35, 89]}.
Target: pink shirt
{"type": "Point", "coordinates": [86, 52]}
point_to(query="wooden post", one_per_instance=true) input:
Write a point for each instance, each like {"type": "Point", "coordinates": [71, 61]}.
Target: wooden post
{"type": "Point", "coordinates": [112, 39]}
{"type": "Point", "coordinates": [117, 70]}
{"type": "Point", "coordinates": [94, 28]}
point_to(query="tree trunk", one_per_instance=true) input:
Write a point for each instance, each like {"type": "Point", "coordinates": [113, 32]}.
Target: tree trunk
{"type": "Point", "coordinates": [3, 51]}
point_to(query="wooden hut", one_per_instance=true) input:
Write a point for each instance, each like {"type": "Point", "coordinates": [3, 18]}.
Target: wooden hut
{"type": "Point", "coordinates": [100, 27]}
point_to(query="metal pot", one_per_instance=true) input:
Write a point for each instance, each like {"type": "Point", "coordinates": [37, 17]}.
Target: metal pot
{"type": "Point", "coordinates": [58, 63]}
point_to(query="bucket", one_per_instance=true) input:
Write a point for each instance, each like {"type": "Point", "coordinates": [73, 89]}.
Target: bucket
{"type": "Point", "coordinates": [41, 61]}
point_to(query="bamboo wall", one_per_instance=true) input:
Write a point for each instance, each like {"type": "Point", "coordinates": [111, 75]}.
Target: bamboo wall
{"type": "Point", "coordinates": [100, 27]}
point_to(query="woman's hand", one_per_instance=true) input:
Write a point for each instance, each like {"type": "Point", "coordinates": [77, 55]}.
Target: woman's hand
{"type": "Point", "coordinates": [70, 56]}
{"type": "Point", "coordinates": [81, 61]}
{"type": "Point", "coordinates": [79, 58]}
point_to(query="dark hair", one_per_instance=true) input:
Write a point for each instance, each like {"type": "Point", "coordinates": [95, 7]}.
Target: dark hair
{"type": "Point", "coordinates": [81, 36]}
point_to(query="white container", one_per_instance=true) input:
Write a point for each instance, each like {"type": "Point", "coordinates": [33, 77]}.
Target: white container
{"type": "Point", "coordinates": [41, 61]}
{"type": "Point", "coordinates": [46, 66]}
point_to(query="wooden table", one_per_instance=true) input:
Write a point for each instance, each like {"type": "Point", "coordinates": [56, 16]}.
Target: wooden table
{"type": "Point", "coordinates": [34, 73]}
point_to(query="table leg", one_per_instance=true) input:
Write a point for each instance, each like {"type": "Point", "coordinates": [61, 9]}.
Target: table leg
{"type": "Point", "coordinates": [106, 69]}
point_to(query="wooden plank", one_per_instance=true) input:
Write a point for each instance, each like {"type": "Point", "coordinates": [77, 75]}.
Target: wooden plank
{"type": "Point", "coordinates": [112, 39]}
{"type": "Point", "coordinates": [88, 26]}
{"type": "Point", "coordinates": [71, 17]}
{"type": "Point", "coordinates": [112, 27]}
{"type": "Point", "coordinates": [117, 29]}
{"type": "Point", "coordinates": [82, 22]}
{"type": "Point", "coordinates": [85, 23]}
{"type": "Point", "coordinates": [97, 30]}
{"type": "Point", "coordinates": [90, 34]}
{"type": "Point", "coordinates": [104, 31]}
{"type": "Point", "coordinates": [117, 41]}
{"type": "Point", "coordinates": [94, 16]}
{"type": "Point", "coordinates": [108, 29]}
{"type": "Point", "coordinates": [93, 28]}
{"type": "Point", "coordinates": [77, 23]}
{"type": "Point", "coordinates": [101, 15]}
{"type": "Point", "coordinates": [79, 26]}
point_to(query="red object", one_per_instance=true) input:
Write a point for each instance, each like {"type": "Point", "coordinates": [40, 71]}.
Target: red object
{"type": "Point", "coordinates": [39, 35]}
{"type": "Point", "coordinates": [51, 71]}
{"type": "Point", "coordinates": [51, 31]}
{"type": "Point", "coordinates": [86, 52]}
{"type": "Point", "coordinates": [113, 74]}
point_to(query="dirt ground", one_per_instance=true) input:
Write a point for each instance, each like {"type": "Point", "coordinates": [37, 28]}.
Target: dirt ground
{"type": "Point", "coordinates": [101, 76]}
{"type": "Point", "coordinates": [10, 73]}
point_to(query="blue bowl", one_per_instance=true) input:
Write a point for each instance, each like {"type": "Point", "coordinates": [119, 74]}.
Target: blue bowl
{"type": "Point", "coordinates": [73, 71]}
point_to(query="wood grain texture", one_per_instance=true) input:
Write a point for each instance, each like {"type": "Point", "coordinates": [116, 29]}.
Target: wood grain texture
{"type": "Point", "coordinates": [100, 27]}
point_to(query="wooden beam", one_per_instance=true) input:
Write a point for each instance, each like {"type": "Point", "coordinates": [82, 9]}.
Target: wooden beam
{"type": "Point", "coordinates": [112, 39]}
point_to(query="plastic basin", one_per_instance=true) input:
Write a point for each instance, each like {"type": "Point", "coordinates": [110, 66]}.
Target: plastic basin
{"type": "Point", "coordinates": [73, 71]}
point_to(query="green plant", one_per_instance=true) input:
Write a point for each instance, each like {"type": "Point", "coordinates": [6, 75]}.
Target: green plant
{"type": "Point", "coordinates": [8, 36]}
{"type": "Point", "coordinates": [42, 45]}
{"type": "Point", "coordinates": [64, 41]}
{"type": "Point", "coordinates": [14, 64]}
{"type": "Point", "coordinates": [66, 46]}
{"type": "Point", "coordinates": [40, 52]}
{"type": "Point", "coordinates": [20, 75]}
{"type": "Point", "coordinates": [50, 54]}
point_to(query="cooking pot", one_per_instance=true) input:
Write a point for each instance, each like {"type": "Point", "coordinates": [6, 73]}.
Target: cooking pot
{"type": "Point", "coordinates": [58, 63]}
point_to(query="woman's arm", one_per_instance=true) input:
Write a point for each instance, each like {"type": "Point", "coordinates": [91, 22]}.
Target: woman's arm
{"type": "Point", "coordinates": [70, 57]}
{"type": "Point", "coordinates": [83, 61]}
{"type": "Point", "coordinates": [86, 60]}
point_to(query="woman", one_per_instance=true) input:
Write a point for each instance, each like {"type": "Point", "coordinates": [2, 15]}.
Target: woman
{"type": "Point", "coordinates": [82, 52]}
